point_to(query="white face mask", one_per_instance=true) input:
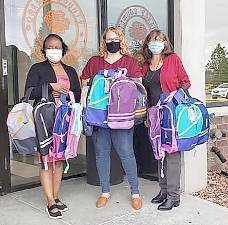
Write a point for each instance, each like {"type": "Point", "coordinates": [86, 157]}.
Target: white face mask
{"type": "Point", "coordinates": [54, 55]}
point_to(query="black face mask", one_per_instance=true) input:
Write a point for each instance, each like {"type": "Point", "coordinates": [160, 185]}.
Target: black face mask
{"type": "Point", "coordinates": [113, 46]}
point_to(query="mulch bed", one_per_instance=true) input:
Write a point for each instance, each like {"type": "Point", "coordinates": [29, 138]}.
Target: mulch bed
{"type": "Point", "coordinates": [216, 190]}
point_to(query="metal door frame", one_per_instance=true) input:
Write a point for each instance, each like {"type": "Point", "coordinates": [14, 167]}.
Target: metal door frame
{"type": "Point", "coordinates": [5, 175]}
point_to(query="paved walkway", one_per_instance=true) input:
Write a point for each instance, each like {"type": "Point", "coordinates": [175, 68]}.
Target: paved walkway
{"type": "Point", "coordinates": [28, 208]}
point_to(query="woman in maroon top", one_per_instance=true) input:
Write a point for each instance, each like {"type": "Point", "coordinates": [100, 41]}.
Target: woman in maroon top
{"type": "Point", "coordinates": [163, 72]}
{"type": "Point", "coordinates": [111, 60]}
{"type": "Point", "coordinates": [114, 54]}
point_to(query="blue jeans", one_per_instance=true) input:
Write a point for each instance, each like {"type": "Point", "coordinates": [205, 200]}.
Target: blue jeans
{"type": "Point", "coordinates": [122, 140]}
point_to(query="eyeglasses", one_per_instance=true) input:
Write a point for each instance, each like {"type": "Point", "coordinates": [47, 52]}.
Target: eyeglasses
{"type": "Point", "coordinates": [50, 47]}
{"type": "Point", "coordinates": [112, 39]}
{"type": "Point", "coordinates": [159, 40]}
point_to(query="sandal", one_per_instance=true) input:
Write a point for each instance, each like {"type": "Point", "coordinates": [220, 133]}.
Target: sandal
{"type": "Point", "coordinates": [62, 207]}
{"type": "Point", "coordinates": [54, 215]}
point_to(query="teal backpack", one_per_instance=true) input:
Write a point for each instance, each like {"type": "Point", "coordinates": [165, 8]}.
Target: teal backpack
{"type": "Point", "coordinates": [189, 123]}
{"type": "Point", "coordinates": [98, 98]}
{"type": "Point", "coordinates": [184, 122]}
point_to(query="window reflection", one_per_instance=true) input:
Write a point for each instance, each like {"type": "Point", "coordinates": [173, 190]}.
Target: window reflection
{"type": "Point", "coordinates": [27, 23]}
{"type": "Point", "coordinates": [137, 19]}
{"type": "Point", "coordinates": [216, 71]}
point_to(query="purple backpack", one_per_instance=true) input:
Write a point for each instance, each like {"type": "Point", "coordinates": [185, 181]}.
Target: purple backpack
{"type": "Point", "coordinates": [154, 122]}
{"type": "Point", "coordinates": [154, 130]}
{"type": "Point", "coordinates": [122, 102]}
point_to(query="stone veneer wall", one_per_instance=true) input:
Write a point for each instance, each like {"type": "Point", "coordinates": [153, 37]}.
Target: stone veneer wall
{"type": "Point", "coordinates": [213, 161]}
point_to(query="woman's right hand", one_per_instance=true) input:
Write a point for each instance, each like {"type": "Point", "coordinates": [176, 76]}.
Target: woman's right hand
{"type": "Point", "coordinates": [146, 123]}
{"type": "Point", "coordinates": [55, 94]}
{"type": "Point", "coordinates": [60, 88]}
{"type": "Point", "coordinates": [85, 82]}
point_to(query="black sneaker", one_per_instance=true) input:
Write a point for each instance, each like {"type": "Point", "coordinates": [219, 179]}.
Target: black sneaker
{"type": "Point", "coordinates": [53, 215]}
{"type": "Point", "coordinates": [62, 207]}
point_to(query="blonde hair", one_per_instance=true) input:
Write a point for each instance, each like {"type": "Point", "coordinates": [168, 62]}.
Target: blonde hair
{"type": "Point", "coordinates": [124, 49]}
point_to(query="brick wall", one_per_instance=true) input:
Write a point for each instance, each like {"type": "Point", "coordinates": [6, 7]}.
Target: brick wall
{"type": "Point", "coordinates": [214, 163]}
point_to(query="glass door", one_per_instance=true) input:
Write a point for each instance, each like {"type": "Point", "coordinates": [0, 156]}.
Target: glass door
{"type": "Point", "coordinates": [27, 23]}
{"type": "Point", "coordinates": [138, 18]}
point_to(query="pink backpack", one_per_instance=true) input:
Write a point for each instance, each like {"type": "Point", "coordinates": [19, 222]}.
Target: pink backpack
{"type": "Point", "coordinates": [156, 131]}
{"type": "Point", "coordinates": [122, 102]}
{"type": "Point", "coordinates": [74, 130]}
{"type": "Point", "coordinates": [67, 130]}
{"type": "Point", "coordinates": [155, 116]}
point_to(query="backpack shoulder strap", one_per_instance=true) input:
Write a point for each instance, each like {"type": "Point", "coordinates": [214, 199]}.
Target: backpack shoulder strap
{"type": "Point", "coordinates": [72, 98]}
{"type": "Point", "coordinates": [169, 97]}
{"type": "Point", "coordinates": [181, 96]}
{"type": "Point", "coordinates": [121, 72]}
{"type": "Point", "coordinates": [159, 103]}
{"type": "Point", "coordinates": [27, 95]}
{"type": "Point", "coordinates": [45, 91]}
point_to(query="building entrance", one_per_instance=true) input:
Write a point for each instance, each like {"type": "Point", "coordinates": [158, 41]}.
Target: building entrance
{"type": "Point", "coordinates": [23, 26]}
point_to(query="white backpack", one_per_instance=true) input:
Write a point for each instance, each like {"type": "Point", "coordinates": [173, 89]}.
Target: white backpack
{"type": "Point", "coordinates": [21, 126]}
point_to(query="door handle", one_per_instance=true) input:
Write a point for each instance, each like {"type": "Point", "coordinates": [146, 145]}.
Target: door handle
{"type": "Point", "coordinates": [4, 67]}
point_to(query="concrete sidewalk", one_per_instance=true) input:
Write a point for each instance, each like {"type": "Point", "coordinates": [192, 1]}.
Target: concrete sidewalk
{"type": "Point", "coordinates": [28, 208]}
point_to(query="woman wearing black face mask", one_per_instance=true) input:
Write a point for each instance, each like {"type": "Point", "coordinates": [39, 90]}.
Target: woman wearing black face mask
{"type": "Point", "coordinates": [113, 45]}
{"type": "Point", "coordinates": [114, 54]}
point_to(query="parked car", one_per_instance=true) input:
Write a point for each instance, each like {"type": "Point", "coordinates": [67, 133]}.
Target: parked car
{"type": "Point", "coordinates": [220, 91]}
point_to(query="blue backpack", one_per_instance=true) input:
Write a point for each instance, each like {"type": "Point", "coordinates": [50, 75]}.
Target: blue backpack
{"type": "Point", "coordinates": [204, 134]}
{"type": "Point", "coordinates": [184, 122]}
{"type": "Point", "coordinates": [60, 129]}
{"type": "Point", "coordinates": [98, 98]}
{"type": "Point", "coordinates": [168, 121]}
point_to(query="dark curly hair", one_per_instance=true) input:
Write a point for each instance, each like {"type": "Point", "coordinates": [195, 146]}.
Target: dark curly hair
{"type": "Point", "coordinates": [64, 46]}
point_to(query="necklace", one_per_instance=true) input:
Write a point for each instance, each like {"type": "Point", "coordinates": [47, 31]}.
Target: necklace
{"type": "Point", "coordinates": [158, 66]}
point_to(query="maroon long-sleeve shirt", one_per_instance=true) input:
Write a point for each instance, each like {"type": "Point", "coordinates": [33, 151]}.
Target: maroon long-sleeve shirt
{"type": "Point", "coordinates": [97, 63]}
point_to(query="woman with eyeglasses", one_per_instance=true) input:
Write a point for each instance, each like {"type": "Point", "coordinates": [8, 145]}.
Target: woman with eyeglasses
{"type": "Point", "coordinates": [61, 79]}
{"type": "Point", "coordinates": [114, 54]}
{"type": "Point", "coordinates": [163, 73]}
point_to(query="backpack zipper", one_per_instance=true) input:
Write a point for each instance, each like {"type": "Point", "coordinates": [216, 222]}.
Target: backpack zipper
{"type": "Point", "coordinates": [44, 125]}
{"type": "Point", "coordinates": [118, 102]}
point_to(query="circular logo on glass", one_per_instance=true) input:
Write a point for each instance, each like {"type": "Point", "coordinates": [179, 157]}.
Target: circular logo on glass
{"type": "Point", "coordinates": [65, 18]}
{"type": "Point", "coordinates": [136, 22]}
